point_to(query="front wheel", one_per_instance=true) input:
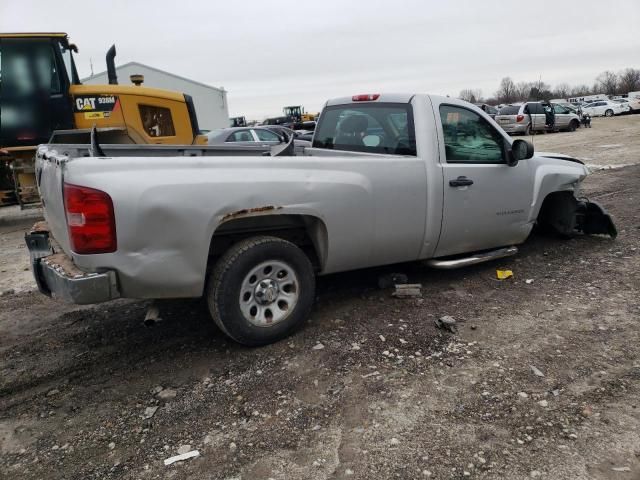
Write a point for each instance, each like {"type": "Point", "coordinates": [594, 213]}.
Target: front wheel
{"type": "Point", "coordinates": [261, 290]}
{"type": "Point", "coordinates": [608, 113]}
{"type": "Point", "coordinates": [573, 125]}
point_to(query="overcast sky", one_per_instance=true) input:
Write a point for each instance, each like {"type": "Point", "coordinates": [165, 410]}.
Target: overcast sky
{"type": "Point", "coordinates": [268, 54]}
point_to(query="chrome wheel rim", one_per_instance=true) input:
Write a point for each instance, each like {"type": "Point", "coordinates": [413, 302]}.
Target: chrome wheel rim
{"type": "Point", "coordinates": [269, 293]}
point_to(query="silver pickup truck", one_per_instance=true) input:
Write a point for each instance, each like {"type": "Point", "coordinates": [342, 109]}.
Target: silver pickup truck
{"type": "Point", "coordinates": [387, 179]}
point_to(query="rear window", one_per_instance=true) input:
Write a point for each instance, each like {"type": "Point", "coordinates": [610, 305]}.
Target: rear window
{"type": "Point", "coordinates": [509, 110]}
{"type": "Point", "coordinates": [369, 127]}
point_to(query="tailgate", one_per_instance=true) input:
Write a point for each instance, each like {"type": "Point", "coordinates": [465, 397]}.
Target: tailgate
{"type": "Point", "coordinates": [50, 177]}
{"type": "Point", "coordinates": [505, 119]}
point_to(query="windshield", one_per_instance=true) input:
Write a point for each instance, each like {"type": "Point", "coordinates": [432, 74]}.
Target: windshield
{"type": "Point", "coordinates": [367, 127]}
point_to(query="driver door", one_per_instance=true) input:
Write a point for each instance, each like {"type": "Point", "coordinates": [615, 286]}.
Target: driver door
{"type": "Point", "coordinates": [486, 202]}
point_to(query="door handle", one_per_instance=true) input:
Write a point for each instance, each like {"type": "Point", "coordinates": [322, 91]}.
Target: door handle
{"type": "Point", "coordinates": [461, 181]}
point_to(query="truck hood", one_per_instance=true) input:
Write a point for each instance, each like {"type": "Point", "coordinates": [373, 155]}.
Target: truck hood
{"type": "Point", "coordinates": [559, 156]}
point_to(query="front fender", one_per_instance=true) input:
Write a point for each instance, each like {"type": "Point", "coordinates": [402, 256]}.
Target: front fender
{"type": "Point", "coordinates": [554, 175]}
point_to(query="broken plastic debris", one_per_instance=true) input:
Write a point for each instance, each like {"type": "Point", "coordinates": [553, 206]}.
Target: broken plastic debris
{"type": "Point", "coordinates": [529, 281]}
{"type": "Point", "coordinates": [408, 290]}
{"type": "Point", "coordinates": [446, 322]}
{"type": "Point", "coordinates": [153, 315]}
{"type": "Point", "coordinates": [504, 274]}
{"type": "Point", "coordinates": [536, 371]}
{"type": "Point", "coordinates": [184, 456]}
{"type": "Point", "coordinates": [150, 412]}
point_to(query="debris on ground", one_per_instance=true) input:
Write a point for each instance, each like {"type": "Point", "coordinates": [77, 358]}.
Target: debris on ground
{"type": "Point", "coordinates": [536, 371]}
{"type": "Point", "coordinates": [318, 346]}
{"type": "Point", "coordinates": [150, 411]}
{"type": "Point", "coordinates": [391, 279]}
{"type": "Point", "coordinates": [529, 281]}
{"type": "Point", "coordinates": [181, 457]}
{"type": "Point", "coordinates": [408, 290]}
{"type": "Point", "coordinates": [504, 274]}
{"type": "Point", "coordinates": [167, 394]}
{"type": "Point", "coordinates": [447, 322]}
{"type": "Point", "coordinates": [153, 316]}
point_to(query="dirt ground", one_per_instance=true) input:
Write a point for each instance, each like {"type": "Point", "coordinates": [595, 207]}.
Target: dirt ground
{"type": "Point", "coordinates": [542, 379]}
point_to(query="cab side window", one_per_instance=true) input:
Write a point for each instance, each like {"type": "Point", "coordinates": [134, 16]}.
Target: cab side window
{"type": "Point", "coordinates": [157, 121]}
{"type": "Point", "coordinates": [469, 138]}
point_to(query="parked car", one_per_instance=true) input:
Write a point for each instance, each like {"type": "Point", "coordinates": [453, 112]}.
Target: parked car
{"type": "Point", "coordinates": [488, 109]}
{"type": "Point", "coordinates": [605, 108]}
{"type": "Point", "coordinates": [255, 135]}
{"type": "Point", "coordinates": [530, 117]}
{"type": "Point", "coordinates": [439, 181]}
{"type": "Point", "coordinates": [632, 103]}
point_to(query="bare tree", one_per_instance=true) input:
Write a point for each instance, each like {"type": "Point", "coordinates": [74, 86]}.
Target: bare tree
{"type": "Point", "coordinates": [629, 80]}
{"type": "Point", "coordinates": [506, 92]}
{"type": "Point", "coordinates": [608, 82]}
{"type": "Point", "coordinates": [470, 95]}
{"type": "Point", "coordinates": [561, 90]}
{"type": "Point", "coordinates": [580, 90]}
{"type": "Point", "coordinates": [522, 90]}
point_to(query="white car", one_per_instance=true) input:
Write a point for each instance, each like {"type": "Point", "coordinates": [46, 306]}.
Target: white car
{"type": "Point", "coordinates": [632, 103]}
{"type": "Point", "coordinates": [606, 108]}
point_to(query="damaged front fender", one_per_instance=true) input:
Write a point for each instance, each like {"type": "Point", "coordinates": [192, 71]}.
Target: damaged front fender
{"type": "Point", "coordinates": [565, 215]}
{"type": "Point", "coordinates": [592, 218]}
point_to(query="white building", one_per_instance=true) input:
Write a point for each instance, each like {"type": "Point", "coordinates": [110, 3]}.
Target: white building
{"type": "Point", "coordinates": [210, 102]}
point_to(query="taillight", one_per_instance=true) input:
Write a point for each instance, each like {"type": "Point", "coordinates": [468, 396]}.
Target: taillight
{"type": "Point", "coordinates": [519, 118]}
{"type": "Point", "coordinates": [90, 219]}
{"type": "Point", "coordinates": [366, 97]}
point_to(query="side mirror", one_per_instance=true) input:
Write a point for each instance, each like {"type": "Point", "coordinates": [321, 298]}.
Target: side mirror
{"type": "Point", "coordinates": [520, 150]}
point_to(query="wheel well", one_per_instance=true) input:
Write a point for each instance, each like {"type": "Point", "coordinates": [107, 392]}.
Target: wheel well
{"type": "Point", "coordinates": [558, 212]}
{"type": "Point", "coordinates": [307, 232]}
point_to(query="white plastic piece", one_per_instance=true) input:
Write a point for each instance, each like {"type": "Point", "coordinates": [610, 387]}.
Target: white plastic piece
{"type": "Point", "coordinates": [184, 456]}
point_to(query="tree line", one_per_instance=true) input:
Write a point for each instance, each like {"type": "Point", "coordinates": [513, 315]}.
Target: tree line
{"type": "Point", "coordinates": [608, 82]}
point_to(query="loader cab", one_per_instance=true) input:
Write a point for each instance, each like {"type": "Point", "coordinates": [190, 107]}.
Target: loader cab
{"type": "Point", "coordinates": [294, 113]}
{"type": "Point", "coordinates": [36, 72]}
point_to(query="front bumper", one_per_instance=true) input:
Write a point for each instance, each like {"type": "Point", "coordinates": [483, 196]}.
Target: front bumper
{"type": "Point", "coordinates": [57, 275]}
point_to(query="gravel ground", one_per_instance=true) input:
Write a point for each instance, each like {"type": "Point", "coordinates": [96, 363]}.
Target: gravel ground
{"type": "Point", "coordinates": [610, 142]}
{"type": "Point", "coordinates": [541, 380]}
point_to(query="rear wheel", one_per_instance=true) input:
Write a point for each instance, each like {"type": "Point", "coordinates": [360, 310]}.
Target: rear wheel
{"type": "Point", "coordinates": [608, 113]}
{"type": "Point", "coordinates": [261, 290]}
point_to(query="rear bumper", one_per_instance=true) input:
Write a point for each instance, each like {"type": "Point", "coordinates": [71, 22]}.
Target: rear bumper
{"type": "Point", "coordinates": [514, 128]}
{"type": "Point", "coordinates": [57, 276]}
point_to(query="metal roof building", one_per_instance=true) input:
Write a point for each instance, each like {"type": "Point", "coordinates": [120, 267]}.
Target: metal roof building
{"type": "Point", "coordinates": [210, 102]}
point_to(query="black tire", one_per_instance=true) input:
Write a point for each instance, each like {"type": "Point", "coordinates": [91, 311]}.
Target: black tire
{"type": "Point", "coordinates": [573, 125]}
{"type": "Point", "coordinates": [527, 131]}
{"type": "Point", "coordinates": [230, 274]}
{"type": "Point", "coordinates": [608, 113]}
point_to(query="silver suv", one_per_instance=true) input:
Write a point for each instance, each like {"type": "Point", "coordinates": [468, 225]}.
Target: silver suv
{"type": "Point", "coordinates": [530, 117]}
